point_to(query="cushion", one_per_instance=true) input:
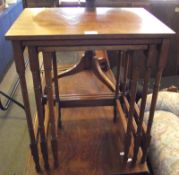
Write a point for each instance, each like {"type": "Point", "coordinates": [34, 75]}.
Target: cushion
{"type": "Point", "coordinates": [164, 148]}
{"type": "Point", "coordinates": [167, 101]}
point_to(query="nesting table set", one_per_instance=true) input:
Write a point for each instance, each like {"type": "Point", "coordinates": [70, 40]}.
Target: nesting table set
{"type": "Point", "coordinates": [125, 30]}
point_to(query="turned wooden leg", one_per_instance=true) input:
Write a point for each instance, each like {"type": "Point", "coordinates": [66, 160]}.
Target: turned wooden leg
{"type": "Point", "coordinates": [101, 75]}
{"type": "Point", "coordinates": [148, 67]}
{"type": "Point", "coordinates": [55, 75]}
{"type": "Point", "coordinates": [120, 55]}
{"type": "Point", "coordinates": [20, 67]}
{"type": "Point", "coordinates": [47, 57]}
{"type": "Point", "coordinates": [131, 113]}
{"type": "Point", "coordinates": [34, 65]}
{"type": "Point", "coordinates": [161, 64]}
{"type": "Point", "coordinates": [126, 66]}
{"type": "Point", "coordinates": [89, 61]}
{"type": "Point", "coordinates": [83, 64]}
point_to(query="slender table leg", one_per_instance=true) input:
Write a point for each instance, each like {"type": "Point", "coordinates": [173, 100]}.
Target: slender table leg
{"type": "Point", "coordinates": [131, 113]}
{"type": "Point", "coordinates": [55, 74]}
{"type": "Point", "coordinates": [47, 57]}
{"type": "Point", "coordinates": [126, 66]}
{"type": "Point", "coordinates": [148, 66]}
{"type": "Point", "coordinates": [34, 65]}
{"type": "Point", "coordinates": [120, 54]}
{"type": "Point", "coordinates": [20, 67]}
{"type": "Point", "coordinates": [131, 66]}
{"type": "Point", "coordinates": [161, 64]}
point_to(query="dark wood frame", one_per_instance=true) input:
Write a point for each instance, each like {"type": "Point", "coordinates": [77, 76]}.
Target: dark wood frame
{"type": "Point", "coordinates": [140, 133]}
{"type": "Point", "coordinates": [137, 135]}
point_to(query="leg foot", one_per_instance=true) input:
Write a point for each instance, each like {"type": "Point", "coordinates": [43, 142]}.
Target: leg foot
{"type": "Point", "coordinates": [43, 145]}
{"type": "Point", "coordinates": [55, 152]}
{"type": "Point", "coordinates": [35, 155]}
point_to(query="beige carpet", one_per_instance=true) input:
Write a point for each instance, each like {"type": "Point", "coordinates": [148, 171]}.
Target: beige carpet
{"type": "Point", "coordinates": [14, 139]}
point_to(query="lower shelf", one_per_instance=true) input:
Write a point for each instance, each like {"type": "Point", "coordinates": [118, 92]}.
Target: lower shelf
{"type": "Point", "coordinates": [89, 143]}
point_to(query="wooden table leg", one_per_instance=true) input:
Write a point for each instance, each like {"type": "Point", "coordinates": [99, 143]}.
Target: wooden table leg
{"type": "Point", "coordinates": [34, 65]}
{"type": "Point", "coordinates": [131, 113]}
{"type": "Point", "coordinates": [47, 57]}
{"type": "Point", "coordinates": [55, 75]}
{"type": "Point", "coordinates": [120, 55]}
{"type": "Point", "coordinates": [161, 64]}
{"type": "Point", "coordinates": [148, 67]}
{"type": "Point", "coordinates": [127, 56]}
{"type": "Point", "coordinates": [20, 67]}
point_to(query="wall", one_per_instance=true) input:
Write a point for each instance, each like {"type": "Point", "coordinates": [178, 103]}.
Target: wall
{"type": "Point", "coordinates": [7, 17]}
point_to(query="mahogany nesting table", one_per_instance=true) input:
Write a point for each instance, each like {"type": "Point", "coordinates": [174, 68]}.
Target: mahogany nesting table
{"type": "Point", "coordinates": [126, 30]}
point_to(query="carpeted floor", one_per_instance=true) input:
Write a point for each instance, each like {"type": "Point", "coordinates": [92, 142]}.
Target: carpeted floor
{"type": "Point", "coordinates": [14, 139]}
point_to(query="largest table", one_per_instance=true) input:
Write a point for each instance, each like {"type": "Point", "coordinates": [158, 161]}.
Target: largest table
{"type": "Point", "coordinates": [126, 30]}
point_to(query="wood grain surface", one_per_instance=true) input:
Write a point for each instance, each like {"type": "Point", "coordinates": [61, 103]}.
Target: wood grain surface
{"type": "Point", "coordinates": [71, 23]}
{"type": "Point", "coordinates": [89, 142]}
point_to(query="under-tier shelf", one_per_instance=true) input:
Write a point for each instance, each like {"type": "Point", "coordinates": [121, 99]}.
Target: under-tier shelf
{"type": "Point", "coordinates": [89, 141]}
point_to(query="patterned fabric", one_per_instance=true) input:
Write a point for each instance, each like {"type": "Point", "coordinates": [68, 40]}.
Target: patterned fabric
{"type": "Point", "coordinates": [167, 101]}
{"type": "Point", "coordinates": [164, 148]}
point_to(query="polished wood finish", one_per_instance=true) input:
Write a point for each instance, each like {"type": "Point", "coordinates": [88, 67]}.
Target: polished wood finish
{"type": "Point", "coordinates": [87, 100]}
{"type": "Point", "coordinates": [167, 12]}
{"type": "Point", "coordinates": [126, 65]}
{"type": "Point", "coordinates": [34, 66]}
{"type": "Point", "coordinates": [89, 61]}
{"type": "Point", "coordinates": [47, 58]}
{"type": "Point", "coordinates": [148, 67]}
{"type": "Point", "coordinates": [117, 85]}
{"type": "Point", "coordinates": [20, 68]}
{"type": "Point", "coordinates": [89, 142]}
{"type": "Point", "coordinates": [160, 66]}
{"type": "Point", "coordinates": [51, 23]}
{"type": "Point", "coordinates": [55, 75]}
{"type": "Point", "coordinates": [131, 111]}
{"type": "Point", "coordinates": [126, 29]}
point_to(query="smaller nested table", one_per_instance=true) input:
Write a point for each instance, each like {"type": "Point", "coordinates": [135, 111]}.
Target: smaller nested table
{"type": "Point", "coordinates": [127, 30]}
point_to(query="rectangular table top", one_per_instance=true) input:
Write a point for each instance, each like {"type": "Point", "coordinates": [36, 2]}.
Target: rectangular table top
{"type": "Point", "coordinates": [80, 23]}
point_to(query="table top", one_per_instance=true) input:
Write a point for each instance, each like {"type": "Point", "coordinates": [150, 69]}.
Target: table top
{"type": "Point", "coordinates": [73, 23]}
